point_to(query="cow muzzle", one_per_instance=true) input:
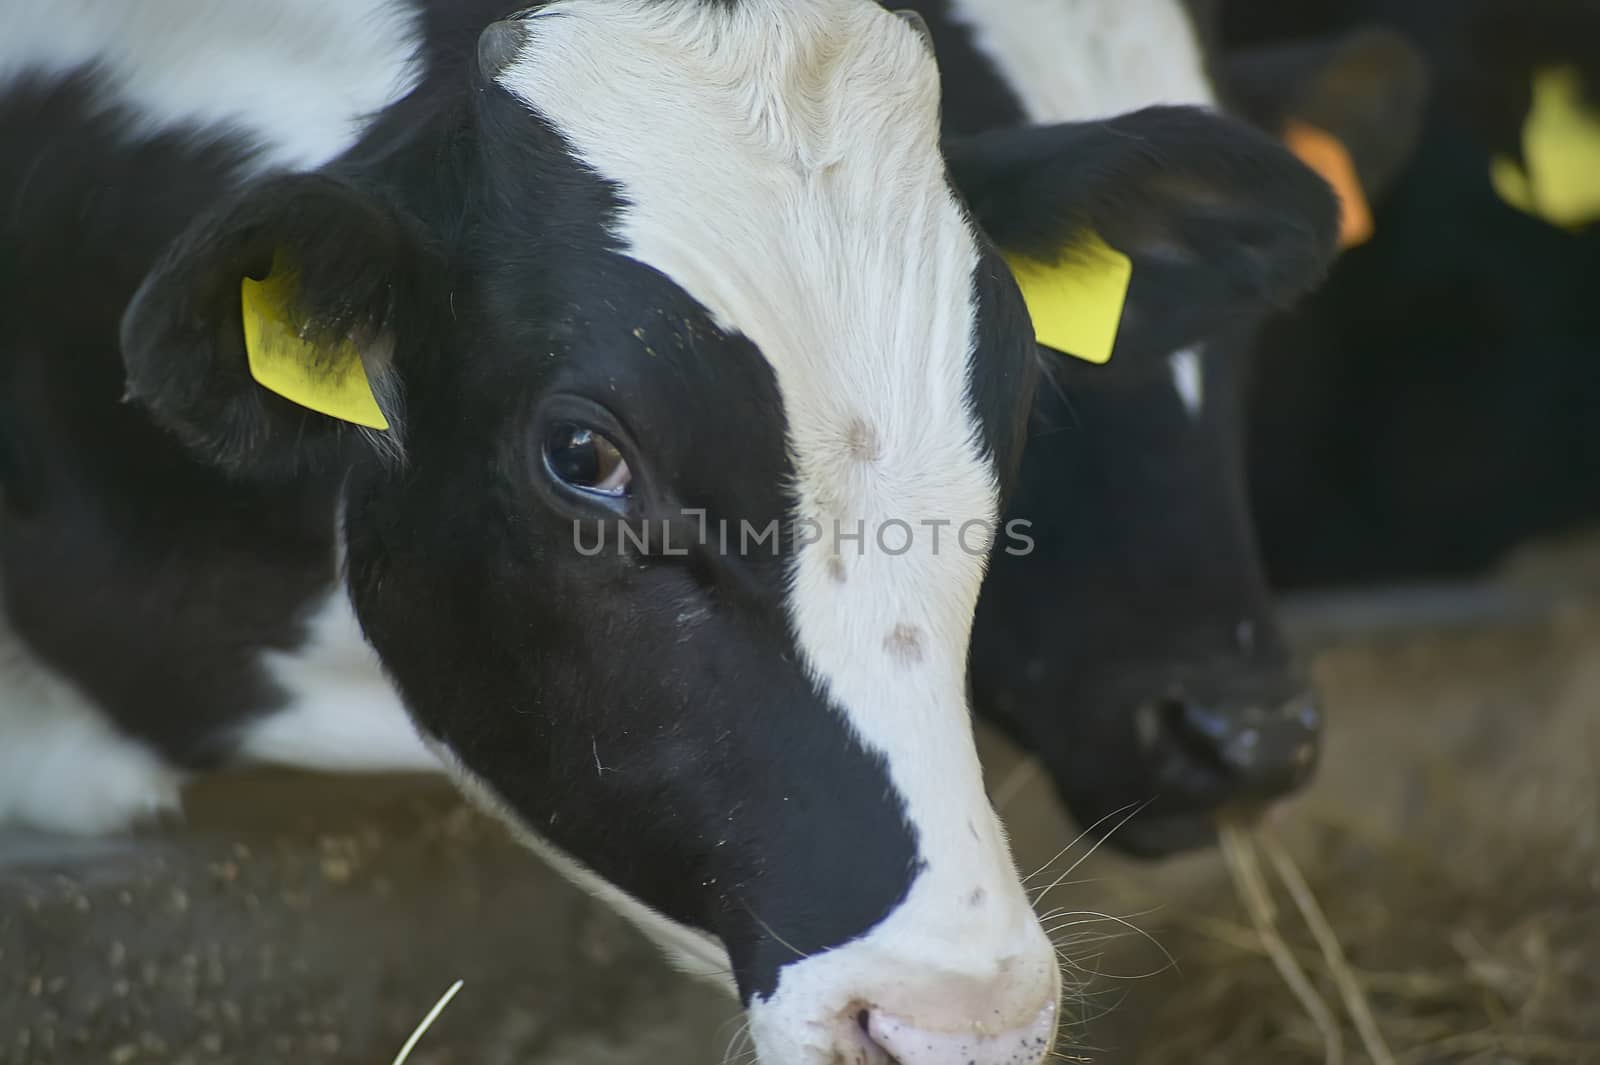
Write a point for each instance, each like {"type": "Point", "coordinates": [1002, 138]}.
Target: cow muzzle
{"type": "Point", "coordinates": [1212, 754]}
{"type": "Point", "coordinates": [952, 977]}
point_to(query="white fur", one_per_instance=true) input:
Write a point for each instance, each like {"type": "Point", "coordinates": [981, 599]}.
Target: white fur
{"type": "Point", "coordinates": [1075, 60]}
{"type": "Point", "coordinates": [343, 715]}
{"type": "Point", "coordinates": [1188, 379]}
{"type": "Point", "coordinates": [63, 766]}
{"type": "Point", "coordinates": [300, 76]}
{"type": "Point", "coordinates": [836, 245]}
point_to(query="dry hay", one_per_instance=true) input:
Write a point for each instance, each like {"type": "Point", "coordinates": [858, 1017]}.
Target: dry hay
{"type": "Point", "coordinates": [1462, 959]}
{"type": "Point", "coordinates": [426, 1023]}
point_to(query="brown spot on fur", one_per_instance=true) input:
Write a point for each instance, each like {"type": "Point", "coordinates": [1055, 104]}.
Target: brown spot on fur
{"type": "Point", "coordinates": [836, 569]}
{"type": "Point", "coordinates": [861, 441]}
{"type": "Point", "coordinates": [904, 644]}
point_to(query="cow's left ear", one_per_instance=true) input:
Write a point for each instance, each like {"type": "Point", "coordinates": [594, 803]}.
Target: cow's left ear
{"type": "Point", "coordinates": [1365, 91]}
{"type": "Point", "coordinates": [1217, 221]}
{"type": "Point", "coordinates": [266, 336]}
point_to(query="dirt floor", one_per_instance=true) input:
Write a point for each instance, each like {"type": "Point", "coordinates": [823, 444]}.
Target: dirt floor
{"type": "Point", "coordinates": [1453, 837]}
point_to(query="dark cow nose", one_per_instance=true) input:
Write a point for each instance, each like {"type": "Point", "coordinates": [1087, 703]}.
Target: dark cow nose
{"type": "Point", "coordinates": [1214, 754]}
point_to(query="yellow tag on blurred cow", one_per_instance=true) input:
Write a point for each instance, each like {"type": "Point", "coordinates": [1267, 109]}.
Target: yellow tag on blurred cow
{"type": "Point", "coordinates": [329, 382]}
{"type": "Point", "coordinates": [1561, 148]}
{"type": "Point", "coordinates": [1076, 304]}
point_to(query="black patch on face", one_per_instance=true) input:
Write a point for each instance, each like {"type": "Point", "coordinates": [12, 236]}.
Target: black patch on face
{"type": "Point", "coordinates": [646, 710]}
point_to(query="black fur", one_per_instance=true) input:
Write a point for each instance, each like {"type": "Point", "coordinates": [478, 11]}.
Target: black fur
{"type": "Point", "coordinates": [150, 580]}
{"type": "Point", "coordinates": [1139, 635]}
{"type": "Point", "coordinates": [1432, 408]}
{"type": "Point", "coordinates": [1220, 222]}
{"type": "Point", "coordinates": [361, 274]}
{"type": "Point", "coordinates": [973, 100]}
{"type": "Point", "coordinates": [1368, 87]}
{"type": "Point", "coordinates": [1137, 639]}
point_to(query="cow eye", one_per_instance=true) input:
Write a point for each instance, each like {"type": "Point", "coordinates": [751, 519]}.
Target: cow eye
{"type": "Point", "coordinates": [582, 459]}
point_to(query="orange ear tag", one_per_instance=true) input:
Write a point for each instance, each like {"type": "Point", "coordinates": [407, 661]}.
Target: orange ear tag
{"type": "Point", "coordinates": [1326, 154]}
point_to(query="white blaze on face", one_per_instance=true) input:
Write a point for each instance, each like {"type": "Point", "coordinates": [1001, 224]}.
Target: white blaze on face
{"type": "Point", "coordinates": [1076, 60]}
{"type": "Point", "coordinates": [779, 161]}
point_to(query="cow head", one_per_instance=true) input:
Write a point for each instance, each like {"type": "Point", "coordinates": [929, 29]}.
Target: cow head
{"type": "Point", "coordinates": [1134, 647]}
{"type": "Point", "coordinates": [1132, 644]}
{"type": "Point", "coordinates": [682, 350]}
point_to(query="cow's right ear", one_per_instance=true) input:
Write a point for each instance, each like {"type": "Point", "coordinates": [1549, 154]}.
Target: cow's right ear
{"type": "Point", "coordinates": [1149, 232]}
{"type": "Point", "coordinates": [266, 336]}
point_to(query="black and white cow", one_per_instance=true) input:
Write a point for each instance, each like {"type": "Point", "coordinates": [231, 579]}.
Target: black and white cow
{"type": "Point", "coordinates": [1136, 649]}
{"type": "Point", "coordinates": [654, 266]}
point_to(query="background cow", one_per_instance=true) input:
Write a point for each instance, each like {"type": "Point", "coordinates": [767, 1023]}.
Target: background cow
{"type": "Point", "coordinates": [1432, 406]}
{"type": "Point", "coordinates": [1136, 649]}
{"type": "Point", "coordinates": [316, 313]}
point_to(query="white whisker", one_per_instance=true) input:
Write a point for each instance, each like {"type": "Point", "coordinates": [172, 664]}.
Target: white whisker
{"type": "Point", "coordinates": [1130, 926]}
{"type": "Point", "coordinates": [1075, 841]}
{"type": "Point", "coordinates": [1098, 843]}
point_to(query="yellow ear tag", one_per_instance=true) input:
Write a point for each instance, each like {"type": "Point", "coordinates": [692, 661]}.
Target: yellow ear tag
{"type": "Point", "coordinates": [1561, 146]}
{"type": "Point", "coordinates": [1076, 304]}
{"type": "Point", "coordinates": [332, 383]}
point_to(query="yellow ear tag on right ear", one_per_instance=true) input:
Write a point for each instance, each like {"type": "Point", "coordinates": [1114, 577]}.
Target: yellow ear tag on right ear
{"type": "Point", "coordinates": [332, 383]}
{"type": "Point", "coordinates": [1076, 305]}
{"type": "Point", "coordinates": [1561, 146]}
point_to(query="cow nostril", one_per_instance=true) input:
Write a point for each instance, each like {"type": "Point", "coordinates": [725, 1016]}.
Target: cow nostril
{"type": "Point", "coordinates": [1197, 733]}
{"type": "Point", "coordinates": [861, 1048]}
{"type": "Point", "coordinates": [1301, 724]}
{"type": "Point", "coordinates": [1306, 712]}
{"type": "Point", "coordinates": [1260, 753]}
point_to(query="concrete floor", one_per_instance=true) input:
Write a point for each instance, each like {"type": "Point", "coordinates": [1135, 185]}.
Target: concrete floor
{"type": "Point", "coordinates": [310, 920]}
{"type": "Point", "coordinates": [315, 921]}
